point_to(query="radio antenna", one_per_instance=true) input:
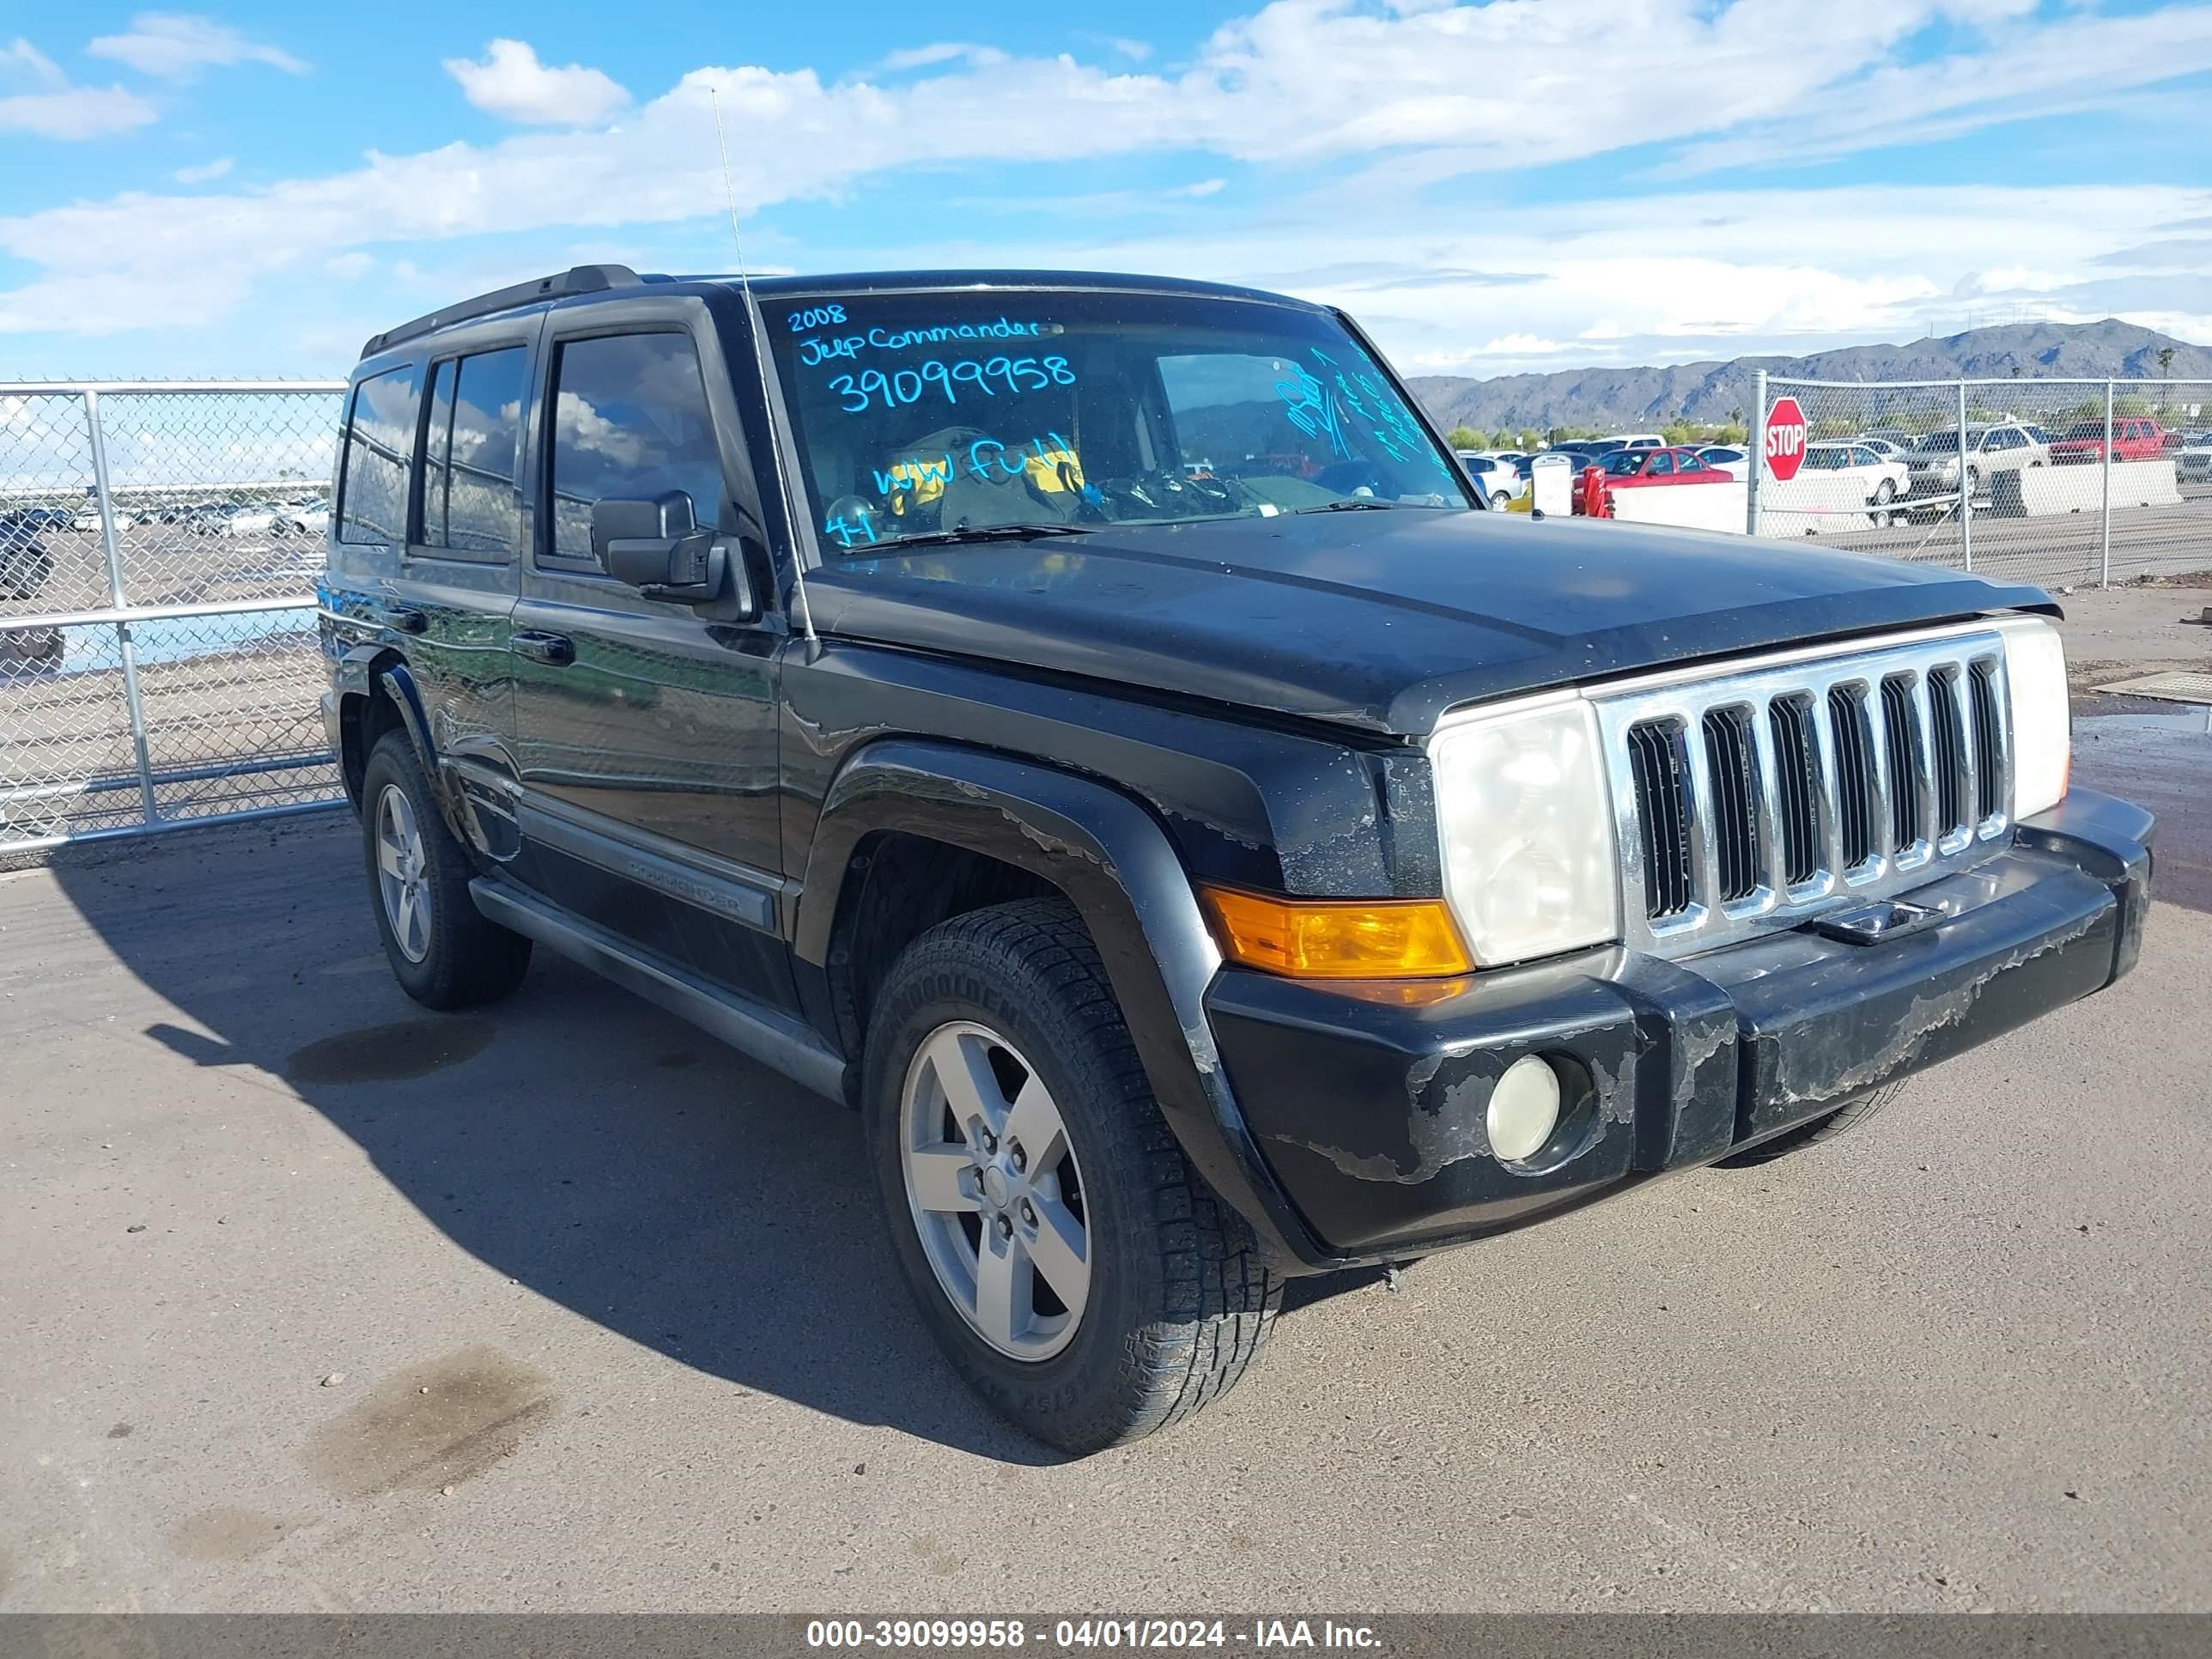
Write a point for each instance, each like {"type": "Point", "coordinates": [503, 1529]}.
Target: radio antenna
{"type": "Point", "coordinates": [756, 326]}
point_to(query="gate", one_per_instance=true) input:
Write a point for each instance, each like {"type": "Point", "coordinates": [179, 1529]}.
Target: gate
{"type": "Point", "coordinates": [160, 542]}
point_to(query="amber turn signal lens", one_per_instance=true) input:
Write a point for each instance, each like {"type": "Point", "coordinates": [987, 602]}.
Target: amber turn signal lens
{"type": "Point", "coordinates": [1336, 939]}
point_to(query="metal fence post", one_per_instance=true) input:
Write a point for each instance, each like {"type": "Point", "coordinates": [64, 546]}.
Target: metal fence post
{"type": "Point", "coordinates": [111, 545]}
{"type": "Point", "coordinates": [2104, 564]}
{"type": "Point", "coordinates": [1966, 492]}
{"type": "Point", "coordinates": [1755, 447]}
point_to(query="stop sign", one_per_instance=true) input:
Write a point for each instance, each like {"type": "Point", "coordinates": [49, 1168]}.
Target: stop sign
{"type": "Point", "coordinates": [1785, 439]}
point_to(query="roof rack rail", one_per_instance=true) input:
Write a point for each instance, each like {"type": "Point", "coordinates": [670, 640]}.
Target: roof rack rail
{"type": "Point", "coordinates": [577, 279]}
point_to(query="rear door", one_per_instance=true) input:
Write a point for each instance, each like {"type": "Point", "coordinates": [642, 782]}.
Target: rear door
{"type": "Point", "coordinates": [463, 544]}
{"type": "Point", "coordinates": [647, 726]}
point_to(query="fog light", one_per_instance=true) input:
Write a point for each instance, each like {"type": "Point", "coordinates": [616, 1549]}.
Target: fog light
{"type": "Point", "coordinates": [1524, 1108]}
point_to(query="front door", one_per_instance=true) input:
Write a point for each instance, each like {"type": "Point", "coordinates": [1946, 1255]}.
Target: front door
{"type": "Point", "coordinates": [648, 730]}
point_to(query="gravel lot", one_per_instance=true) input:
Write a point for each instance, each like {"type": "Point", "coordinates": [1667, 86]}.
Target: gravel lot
{"type": "Point", "coordinates": [315, 1302]}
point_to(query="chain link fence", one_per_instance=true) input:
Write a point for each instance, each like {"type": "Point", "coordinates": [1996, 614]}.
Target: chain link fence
{"type": "Point", "coordinates": [159, 548]}
{"type": "Point", "coordinates": [2055, 481]}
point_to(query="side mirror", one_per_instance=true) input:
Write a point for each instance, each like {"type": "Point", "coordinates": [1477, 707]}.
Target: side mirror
{"type": "Point", "coordinates": [657, 547]}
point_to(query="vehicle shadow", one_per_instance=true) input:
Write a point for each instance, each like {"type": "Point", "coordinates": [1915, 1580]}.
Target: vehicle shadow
{"type": "Point", "coordinates": [574, 1137]}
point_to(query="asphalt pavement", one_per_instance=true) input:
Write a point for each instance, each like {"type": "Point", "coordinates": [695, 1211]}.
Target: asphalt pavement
{"type": "Point", "coordinates": [312, 1301]}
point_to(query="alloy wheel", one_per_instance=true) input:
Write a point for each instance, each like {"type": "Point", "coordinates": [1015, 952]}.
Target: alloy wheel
{"type": "Point", "coordinates": [402, 875]}
{"type": "Point", "coordinates": [994, 1190]}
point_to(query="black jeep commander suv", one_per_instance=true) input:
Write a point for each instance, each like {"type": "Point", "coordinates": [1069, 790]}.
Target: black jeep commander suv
{"type": "Point", "coordinates": [1084, 723]}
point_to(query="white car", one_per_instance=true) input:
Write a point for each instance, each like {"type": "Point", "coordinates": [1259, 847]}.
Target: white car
{"type": "Point", "coordinates": [1724, 458]}
{"type": "Point", "coordinates": [1496, 480]}
{"type": "Point", "coordinates": [1883, 447]}
{"type": "Point", "coordinates": [87, 522]}
{"type": "Point", "coordinates": [1881, 479]}
{"type": "Point", "coordinates": [249, 521]}
{"type": "Point", "coordinates": [2193, 462]}
{"type": "Point", "coordinates": [306, 518]}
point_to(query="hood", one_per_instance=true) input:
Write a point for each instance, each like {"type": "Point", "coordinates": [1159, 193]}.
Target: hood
{"type": "Point", "coordinates": [1377, 620]}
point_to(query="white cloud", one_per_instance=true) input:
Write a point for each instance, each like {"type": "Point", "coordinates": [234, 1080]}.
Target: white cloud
{"type": "Point", "coordinates": [51, 108]}
{"type": "Point", "coordinates": [204, 172]}
{"type": "Point", "coordinates": [1412, 94]}
{"type": "Point", "coordinates": [941, 52]}
{"type": "Point", "coordinates": [349, 266]}
{"type": "Point", "coordinates": [79, 113]}
{"type": "Point", "coordinates": [511, 83]}
{"type": "Point", "coordinates": [177, 46]}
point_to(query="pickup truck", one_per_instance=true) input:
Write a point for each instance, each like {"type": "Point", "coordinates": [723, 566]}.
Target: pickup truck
{"type": "Point", "coordinates": [1196, 870]}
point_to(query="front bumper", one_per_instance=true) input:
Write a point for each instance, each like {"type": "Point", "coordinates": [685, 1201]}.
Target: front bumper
{"type": "Point", "coordinates": [1370, 1115]}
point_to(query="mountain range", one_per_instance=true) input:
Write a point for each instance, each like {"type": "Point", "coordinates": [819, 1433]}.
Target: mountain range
{"type": "Point", "coordinates": [1715, 391]}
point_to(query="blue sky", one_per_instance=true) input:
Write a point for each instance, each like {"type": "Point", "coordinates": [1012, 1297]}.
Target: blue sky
{"type": "Point", "coordinates": [1520, 184]}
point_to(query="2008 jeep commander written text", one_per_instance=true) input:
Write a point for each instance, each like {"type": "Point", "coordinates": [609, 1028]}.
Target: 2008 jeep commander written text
{"type": "Point", "coordinates": [1087, 724]}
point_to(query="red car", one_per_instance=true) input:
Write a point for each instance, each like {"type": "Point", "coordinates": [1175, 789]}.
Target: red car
{"type": "Point", "coordinates": [2135, 440]}
{"type": "Point", "coordinates": [1635, 469]}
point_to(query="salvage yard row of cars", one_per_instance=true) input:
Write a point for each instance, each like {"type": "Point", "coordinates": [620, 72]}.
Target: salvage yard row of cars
{"type": "Point", "coordinates": [1901, 475]}
{"type": "Point", "coordinates": [301, 515]}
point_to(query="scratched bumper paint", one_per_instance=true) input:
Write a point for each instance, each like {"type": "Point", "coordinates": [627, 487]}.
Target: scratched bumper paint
{"type": "Point", "coordinates": [1372, 1114]}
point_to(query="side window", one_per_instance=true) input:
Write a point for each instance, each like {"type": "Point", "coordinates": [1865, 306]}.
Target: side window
{"type": "Point", "coordinates": [380, 440]}
{"type": "Point", "coordinates": [630, 422]}
{"type": "Point", "coordinates": [481, 512]}
{"type": "Point", "coordinates": [1662, 466]}
{"type": "Point", "coordinates": [437, 440]}
{"type": "Point", "coordinates": [1688, 464]}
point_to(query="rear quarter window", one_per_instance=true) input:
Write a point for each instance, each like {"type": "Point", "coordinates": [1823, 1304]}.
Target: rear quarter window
{"type": "Point", "coordinates": [380, 440]}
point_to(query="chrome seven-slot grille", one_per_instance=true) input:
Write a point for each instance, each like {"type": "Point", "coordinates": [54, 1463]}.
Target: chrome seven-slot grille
{"type": "Point", "coordinates": [1751, 799]}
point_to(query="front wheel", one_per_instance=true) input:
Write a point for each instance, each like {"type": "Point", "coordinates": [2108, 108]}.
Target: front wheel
{"type": "Point", "coordinates": [1075, 1269]}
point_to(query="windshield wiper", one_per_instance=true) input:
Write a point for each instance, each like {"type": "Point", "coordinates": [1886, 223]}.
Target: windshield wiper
{"type": "Point", "coordinates": [1349, 504]}
{"type": "Point", "coordinates": [981, 532]}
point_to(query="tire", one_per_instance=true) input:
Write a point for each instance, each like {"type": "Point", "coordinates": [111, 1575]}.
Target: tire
{"type": "Point", "coordinates": [1882, 516]}
{"type": "Point", "coordinates": [1167, 1301]}
{"type": "Point", "coordinates": [1974, 484]}
{"type": "Point", "coordinates": [1842, 1120]}
{"type": "Point", "coordinates": [448, 956]}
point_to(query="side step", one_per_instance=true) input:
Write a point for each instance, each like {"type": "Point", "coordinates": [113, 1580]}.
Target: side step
{"type": "Point", "coordinates": [752, 1028]}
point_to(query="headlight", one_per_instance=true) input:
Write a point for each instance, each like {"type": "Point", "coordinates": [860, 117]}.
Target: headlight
{"type": "Point", "coordinates": [1525, 818]}
{"type": "Point", "coordinates": [2042, 715]}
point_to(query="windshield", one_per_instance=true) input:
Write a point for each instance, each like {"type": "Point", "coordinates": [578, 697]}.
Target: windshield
{"type": "Point", "coordinates": [930, 414]}
{"type": "Point", "coordinates": [1939, 443]}
{"type": "Point", "coordinates": [2088, 429]}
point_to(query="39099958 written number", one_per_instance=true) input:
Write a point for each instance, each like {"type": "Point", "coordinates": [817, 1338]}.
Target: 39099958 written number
{"type": "Point", "coordinates": [874, 389]}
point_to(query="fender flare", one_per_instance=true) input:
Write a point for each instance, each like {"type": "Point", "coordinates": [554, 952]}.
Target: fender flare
{"type": "Point", "coordinates": [1115, 863]}
{"type": "Point", "coordinates": [368, 669]}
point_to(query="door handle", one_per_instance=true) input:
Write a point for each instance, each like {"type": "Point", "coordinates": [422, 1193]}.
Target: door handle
{"type": "Point", "coordinates": [556, 650]}
{"type": "Point", "coordinates": [398, 617]}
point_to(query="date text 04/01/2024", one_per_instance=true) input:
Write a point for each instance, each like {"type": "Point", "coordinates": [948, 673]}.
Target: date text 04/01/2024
{"type": "Point", "coordinates": [1135, 1634]}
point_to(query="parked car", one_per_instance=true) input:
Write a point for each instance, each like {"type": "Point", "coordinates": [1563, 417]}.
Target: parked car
{"type": "Point", "coordinates": [2132, 440]}
{"type": "Point", "coordinates": [301, 518]}
{"type": "Point", "coordinates": [1993, 448]}
{"type": "Point", "coordinates": [86, 520]}
{"type": "Point", "coordinates": [1724, 458]}
{"type": "Point", "coordinates": [1878, 481]}
{"type": "Point", "coordinates": [1888, 448]}
{"type": "Point", "coordinates": [1668, 468]}
{"type": "Point", "coordinates": [1191, 882]}
{"type": "Point", "coordinates": [1497, 483]}
{"type": "Point", "coordinates": [1887, 440]}
{"type": "Point", "coordinates": [2193, 462]}
{"type": "Point", "coordinates": [26, 566]}
{"type": "Point", "coordinates": [256, 519]}
{"type": "Point", "coordinates": [1637, 440]}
